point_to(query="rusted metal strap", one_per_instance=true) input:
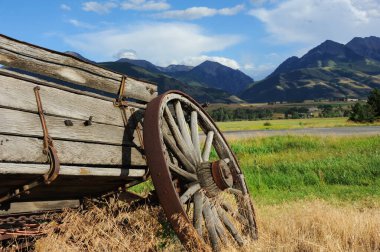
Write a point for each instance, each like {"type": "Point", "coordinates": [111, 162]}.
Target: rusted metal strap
{"type": "Point", "coordinates": [120, 100]}
{"type": "Point", "coordinates": [123, 104]}
{"type": "Point", "coordinates": [138, 128]}
{"type": "Point", "coordinates": [49, 149]}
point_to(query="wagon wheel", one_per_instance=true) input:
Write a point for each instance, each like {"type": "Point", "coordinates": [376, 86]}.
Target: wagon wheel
{"type": "Point", "coordinates": [202, 190]}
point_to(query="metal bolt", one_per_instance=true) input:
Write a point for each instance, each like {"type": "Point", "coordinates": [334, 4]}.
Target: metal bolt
{"type": "Point", "coordinates": [88, 122]}
{"type": "Point", "coordinates": [68, 123]}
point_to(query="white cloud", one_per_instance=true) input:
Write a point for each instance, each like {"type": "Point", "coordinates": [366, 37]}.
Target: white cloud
{"type": "Point", "coordinates": [231, 11]}
{"type": "Point", "coordinates": [100, 8]}
{"type": "Point", "coordinates": [143, 5]}
{"type": "Point", "coordinates": [160, 43]}
{"type": "Point", "coordinates": [126, 54]}
{"type": "Point", "coordinates": [65, 7]}
{"type": "Point", "coordinates": [313, 21]}
{"type": "Point", "coordinates": [260, 71]}
{"type": "Point", "coordinates": [200, 12]}
{"type": "Point", "coordinates": [196, 60]}
{"type": "Point", "coordinates": [80, 24]}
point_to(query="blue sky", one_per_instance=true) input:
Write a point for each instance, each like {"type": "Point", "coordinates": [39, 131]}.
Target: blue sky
{"type": "Point", "coordinates": [251, 35]}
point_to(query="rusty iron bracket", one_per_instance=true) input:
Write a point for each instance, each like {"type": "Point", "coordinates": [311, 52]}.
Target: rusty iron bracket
{"type": "Point", "coordinates": [120, 100]}
{"type": "Point", "coordinates": [49, 148]}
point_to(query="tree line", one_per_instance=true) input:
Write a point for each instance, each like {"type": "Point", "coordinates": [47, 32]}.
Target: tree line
{"type": "Point", "coordinates": [359, 112]}
{"type": "Point", "coordinates": [239, 114]}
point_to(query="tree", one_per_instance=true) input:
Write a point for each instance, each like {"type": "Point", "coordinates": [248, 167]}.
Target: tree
{"type": "Point", "coordinates": [374, 101]}
{"type": "Point", "coordinates": [362, 113]}
{"type": "Point", "coordinates": [367, 112]}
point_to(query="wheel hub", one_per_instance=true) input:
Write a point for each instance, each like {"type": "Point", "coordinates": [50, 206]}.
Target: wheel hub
{"type": "Point", "coordinates": [221, 174]}
{"type": "Point", "coordinates": [215, 177]}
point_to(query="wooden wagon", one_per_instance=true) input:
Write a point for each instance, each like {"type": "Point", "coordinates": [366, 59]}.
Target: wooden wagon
{"type": "Point", "coordinates": [70, 129]}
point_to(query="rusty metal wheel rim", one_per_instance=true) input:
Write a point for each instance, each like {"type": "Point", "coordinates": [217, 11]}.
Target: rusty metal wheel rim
{"type": "Point", "coordinates": [167, 137]}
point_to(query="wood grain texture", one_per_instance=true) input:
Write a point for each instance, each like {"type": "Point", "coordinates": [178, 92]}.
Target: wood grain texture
{"type": "Point", "coordinates": [188, 194]}
{"type": "Point", "coordinates": [65, 170]}
{"type": "Point", "coordinates": [72, 88]}
{"type": "Point", "coordinates": [64, 67]}
{"type": "Point", "coordinates": [221, 146]}
{"type": "Point", "coordinates": [28, 124]}
{"type": "Point", "coordinates": [19, 94]}
{"type": "Point", "coordinates": [198, 207]}
{"type": "Point", "coordinates": [19, 207]}
{"type": "Point", "coordinates": [170, 124]}
{"type": "Point", "coordinates": [210, 225]}
{"type": "Point", "coordinates": [27, 149]}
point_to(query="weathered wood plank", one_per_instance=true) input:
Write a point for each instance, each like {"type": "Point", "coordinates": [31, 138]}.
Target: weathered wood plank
{"type": "Point", "coordinates": [29, 150]}
{"type": "Point", "coordinates": [65, 67]}
{"type": "Point", "coordinates": [19, 94]}
{"type": "Point", "coordinates": [20, 207]}
{"type": "Point", "coordinates": [65, 170]}
{"type": "Point", "coordinates": [28, 124]}
{"type": "Point", "coordinates": [72, 88]}
{"type": "Point", "coordinates": [8, 181]}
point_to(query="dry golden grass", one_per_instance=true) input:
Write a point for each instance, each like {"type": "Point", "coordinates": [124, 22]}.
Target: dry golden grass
{"type": "Point", "coordinates": [298, 226]}
{"type": "Point", "coordinates": [317, 226]}
{"type": "Point", "coordinates": [107, 229]}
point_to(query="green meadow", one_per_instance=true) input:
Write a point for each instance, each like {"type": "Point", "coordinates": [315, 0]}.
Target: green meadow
{"type": "Point", "coordinates": [282, 169]}
{"type": "Point", "coordinates": [290, 124]}
{"type": "Point", "coordinates": [286, 168]}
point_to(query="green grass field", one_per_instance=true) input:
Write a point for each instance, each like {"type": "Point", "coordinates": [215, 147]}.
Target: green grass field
{"type": "Point", "coordinates": [280, 169]}
{"type": "Point", "coordinates": [286, 168]}
{"type": "Point", "coordinates": [289, 124]}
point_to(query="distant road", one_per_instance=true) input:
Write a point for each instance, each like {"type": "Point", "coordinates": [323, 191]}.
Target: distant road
{"type": "Point", "coordinates": [337, 131]}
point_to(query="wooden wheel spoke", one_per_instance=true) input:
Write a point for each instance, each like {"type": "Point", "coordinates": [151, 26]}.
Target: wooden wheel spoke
{"type": "Point", "coordinates": [234, 213]}
{"type": "Point", "coordinates": [182, 124]}
{"type": "Point", "coordinates": [172, 125]}
{"type": "Point", "coordinates": [219, 225]}
{"type": "Point", "coordinates": [189, 193]}
{"type": "Point", "coordinates": [195, 135]}
{"type": "Point", "coordinates": [230, 226]}
{"type": "Point", "coordinates": [236, 192]}
{"type": "Point", "coordinates": [181, 157]}
{"type": "Point", "coordinates": [210, 225]}
{"type": "Point", "coordinates": [198, 207]}
{"type": "Point", "coordinates": [187, 175]}
{"type": "Point", "coordinates": [207, 146]}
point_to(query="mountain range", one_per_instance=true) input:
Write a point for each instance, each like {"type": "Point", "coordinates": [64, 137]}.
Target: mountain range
{"type": "Point", "coordinates": [329, 71]}
{"type": "Point", "coordinates": [207, 82]}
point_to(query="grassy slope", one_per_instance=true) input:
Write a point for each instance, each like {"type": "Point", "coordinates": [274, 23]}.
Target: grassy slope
{"type": "Point", "coordinates": [288, 124]}
{"type": "Point", "coordinates": [279, 169]}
